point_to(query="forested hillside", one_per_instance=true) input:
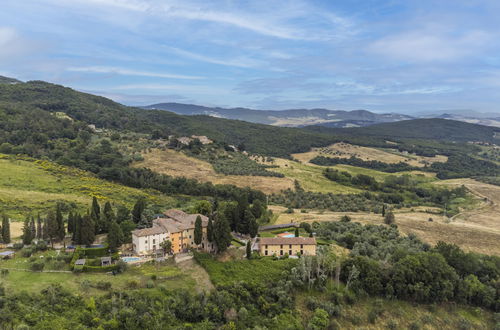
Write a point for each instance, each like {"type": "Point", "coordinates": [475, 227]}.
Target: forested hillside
{"type": "Point", "coordinates": [25, 101]}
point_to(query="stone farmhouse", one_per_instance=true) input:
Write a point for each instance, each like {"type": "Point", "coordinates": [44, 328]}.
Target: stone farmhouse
{"type": "Point", "coordinates": [279, 246]}
{"type": "Point", "coordinates": [175, 226]}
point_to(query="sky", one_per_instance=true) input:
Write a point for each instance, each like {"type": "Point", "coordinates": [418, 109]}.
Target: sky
{"type": "Point", "coordinates": [403, 56]}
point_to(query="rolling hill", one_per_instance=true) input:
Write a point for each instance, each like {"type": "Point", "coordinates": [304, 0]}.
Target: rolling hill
{"type": "Point", "coordinates": [288, 118]}
{"type": "Point", "coordinates": [432, 128]}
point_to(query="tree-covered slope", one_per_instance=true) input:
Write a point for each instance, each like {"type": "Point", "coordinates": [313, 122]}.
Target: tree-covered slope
{"type": "Point", "coordinates": [41, 98]}
{"type": "Point", "coordinates": [433, 128]}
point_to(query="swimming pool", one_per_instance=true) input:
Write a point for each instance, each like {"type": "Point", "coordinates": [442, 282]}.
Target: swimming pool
{"type": "Point", "coordinates": [131, 259]}
{"type": "Point", "coordinates": [286, 234]}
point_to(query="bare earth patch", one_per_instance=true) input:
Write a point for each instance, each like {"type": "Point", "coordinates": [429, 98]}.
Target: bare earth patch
{"type": "Point", "coordinates": [346, 150]}
{"type": "Point", "coordinates": [177, 164]}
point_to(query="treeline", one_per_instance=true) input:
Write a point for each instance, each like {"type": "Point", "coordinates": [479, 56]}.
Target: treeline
{"type": "Point", "coordinates": [372, 164]}
{"type": "Point", "coordinates": [385, 264]}
{"type": "Point", "coordinates": [398, 189]}
{"type": "Point", "coordinates": [464, 166]}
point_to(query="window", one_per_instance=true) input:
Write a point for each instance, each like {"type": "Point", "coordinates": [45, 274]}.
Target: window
{"type": "Point", "coordinates": [301, 252]}
{"type": "Point", "coordinates": [281, 246]}
{"type": "Point", "coordinates": [189, 236]}
{"type": "Point", "coordinates": [265, 252]}
{"type": "Point", "coordinates": [146, 241]}
{"type": "Point", "coordinates": [281, 252]}
{"type": "Point", "coordinates": [301, 246]}
{"type": "Point", "coordinates": [154, 241]}
{"type": "Point", "coordinates": [266, 246]}
{"type": "Point", "coordinates": [290, 246]}
{"type": "Point", "coordinates": [289, 252]}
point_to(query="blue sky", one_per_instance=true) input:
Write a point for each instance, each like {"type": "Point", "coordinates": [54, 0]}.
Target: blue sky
{"type": "Point", "coordinates": [386, 56]}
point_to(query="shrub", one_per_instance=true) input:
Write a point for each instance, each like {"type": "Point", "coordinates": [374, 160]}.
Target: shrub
{"type": "Point", "coordinates": [103, 285]}
{"type": "Point", "coordinates": [150, 284]}
{"type": "Point", "coordinates": [27, 252]}
{"type": "Point", "coordinates": [18, 246]}
{"type": "Point", "coordinates": [37, 266]}
{"type": "Point", "coordinates": [132, 284]}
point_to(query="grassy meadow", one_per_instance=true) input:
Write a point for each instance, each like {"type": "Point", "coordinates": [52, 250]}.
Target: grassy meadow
{"type": "Point", "coordinates": [31, 186]}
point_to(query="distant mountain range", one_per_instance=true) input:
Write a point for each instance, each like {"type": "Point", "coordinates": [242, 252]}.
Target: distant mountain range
{"type": "Point", "coordinates": [323, 117]}
{"type": "Point", "coordinates": [286, 118]}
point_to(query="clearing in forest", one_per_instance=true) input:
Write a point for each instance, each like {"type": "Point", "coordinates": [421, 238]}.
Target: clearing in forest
{"type": "Point", "coordinates": [346, 150]}
{"type": "Point", "coordinates": [177, 164]}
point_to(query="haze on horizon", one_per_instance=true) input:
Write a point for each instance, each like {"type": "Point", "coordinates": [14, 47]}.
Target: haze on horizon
{"type": "Point", "coordinates": [402, 56]}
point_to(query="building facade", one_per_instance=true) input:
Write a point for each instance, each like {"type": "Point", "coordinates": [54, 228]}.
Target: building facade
{"type": "Point", "coordinates": [175, 226]}
{"type": "Point", "coordinates": [279, 246]}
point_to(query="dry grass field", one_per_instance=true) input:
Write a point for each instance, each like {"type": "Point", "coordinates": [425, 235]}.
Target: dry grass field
{"type": "Point", "coordinates": [482, 239]}
{"type": "Point", "coordinates": [346, 150]}
{"type": "Point", "coordinates": [175, 164]}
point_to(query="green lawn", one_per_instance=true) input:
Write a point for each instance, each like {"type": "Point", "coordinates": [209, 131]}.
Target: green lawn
{"type": "Point", "coordinates": [261, 271]}
{"type": "Point", "coordinates": [167, 275]}
{"type": "Point", "coordinates": [31, 186]}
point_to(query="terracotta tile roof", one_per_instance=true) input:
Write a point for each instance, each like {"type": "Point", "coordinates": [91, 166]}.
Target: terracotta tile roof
{"type": "Point", "coordinates": [155, 230]}
{"type": "Point", "coordinates": [288, 240]}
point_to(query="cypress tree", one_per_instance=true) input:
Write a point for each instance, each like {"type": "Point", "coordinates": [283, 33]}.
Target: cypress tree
{"type": "Point", "coordinates": [5, 229]}
{"type": "Point", "coordinates": [222, 233]}
{"type": "Point", "coordinates": [39, 233]}
{"type": "Point", "coordinates": [27, 236]}
{"type": "Point", "coordinates": [297, 232]}
{"type": "Point", "coordinates": [52, 227]}
{"type": "Point", "coordinates": [389, 218]}
{"type": "Point", "coordinates": [107, 218]}
{"type": "Point", "coordinates": [71, 222]}
{"type": "Point", "coordinates": [137, 211]}
{"type": "Point", "coordinates": [60, 230]}
{"type": "Point", "coordinates": [77, 233]}
{"type": "Point", "coordinates": [45, 229]}
{"type": "Point", "coordinates": [383, 210]}
{"type": "Point", "coordinates": [95, 214]}
{"type": "Point", "coordinates": [249, 249]}
{"type": "Point", "coordinates": [198, 231]}
{"type": "Point", "coordinates": [87, 230]}
{"type": "Point", "coordinates": [115, 236]}
{"type": "Point", "coordinates": [210, 230]}
{"type": "Point", "coordinates": [32, 228]}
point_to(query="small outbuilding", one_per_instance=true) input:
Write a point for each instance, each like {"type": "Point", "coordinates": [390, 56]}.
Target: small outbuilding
{"type": "Point", "coordinates": [80, 262]}
{"type": "Point", "coordinates": [105, 261]}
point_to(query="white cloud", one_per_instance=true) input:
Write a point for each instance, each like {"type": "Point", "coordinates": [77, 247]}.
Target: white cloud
{"type": "Point", "coordinates": [427, 46]}
{"type": "Point", "coordinates": [128, 72]}
{"type": "Point", "coordinates": [241, 62]}
{"type": "Point", "coordinates": [13, 45]}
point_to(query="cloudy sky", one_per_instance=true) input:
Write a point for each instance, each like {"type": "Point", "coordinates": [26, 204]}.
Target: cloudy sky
{"type": "Point", "coordinates": [381, 55]}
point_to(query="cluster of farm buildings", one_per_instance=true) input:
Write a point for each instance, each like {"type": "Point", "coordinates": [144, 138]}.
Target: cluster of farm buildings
{"type": "Point", "coordinates": [178, 227]}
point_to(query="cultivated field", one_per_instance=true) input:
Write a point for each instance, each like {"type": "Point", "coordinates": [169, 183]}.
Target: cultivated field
{"type": "Point", "coordinates": [346, 150]}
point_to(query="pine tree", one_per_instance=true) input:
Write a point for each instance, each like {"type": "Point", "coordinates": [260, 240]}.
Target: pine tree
{"type": "Point", "coordinates": [5, 229]}
{"type": "Point", "coordinates": [60, 230]}
{"type": "Point", "coordinates": [210, 230]}
{"type": "Point", "coordinates": [137, 211]}
{"type": "Point", "coordinates": [115, 236]}
{"type": "Point", "coordinates": [27, 236]}
{"type": "Point", "coordinates": [39, 233]}
{"type": "Point", "coordinates": [249, 249]}
{"type": "Point", "coordinates": [198, 231]}
{"type": "Point", "coordinates": [87, 230]}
